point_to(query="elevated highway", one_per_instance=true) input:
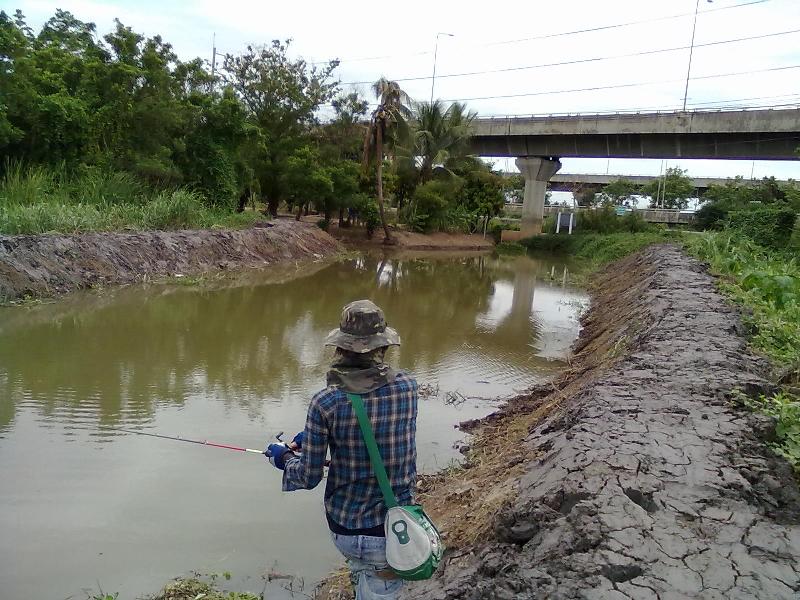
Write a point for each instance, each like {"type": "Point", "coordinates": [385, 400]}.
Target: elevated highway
{"type": "Point", "coordinates": [568, 182]}
{"type": "Point", "coordinates": [539, 142]}
{"type": "Point", "coordinates": [744, 134]}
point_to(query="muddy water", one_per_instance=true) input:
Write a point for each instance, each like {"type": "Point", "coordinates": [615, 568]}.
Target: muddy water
{"type": "Point", "coordinates": [82, 503]}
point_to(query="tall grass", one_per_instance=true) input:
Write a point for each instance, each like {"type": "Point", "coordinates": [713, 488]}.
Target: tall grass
{"type": "Point", "coordinates": [40, 200]}
{"type": "Point", "coordinates": [596, 249]}
{"type": "Point", "coordinates": [767, 282]}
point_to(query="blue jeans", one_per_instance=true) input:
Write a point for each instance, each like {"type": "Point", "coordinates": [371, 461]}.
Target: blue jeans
{"type": "Point", "coordinates": [366, 555]}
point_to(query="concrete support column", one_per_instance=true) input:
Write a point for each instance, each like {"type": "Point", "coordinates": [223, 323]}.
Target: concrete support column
{"type": "Point", "coordinates": [537, 172]}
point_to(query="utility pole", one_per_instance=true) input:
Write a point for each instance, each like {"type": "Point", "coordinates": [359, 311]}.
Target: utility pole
{"type": "Point", "coordinates": [213, 54]}
{"type": "Point", "coordinates": [691, 51]}
{"type": "Point", "coordinates": [435, 53]}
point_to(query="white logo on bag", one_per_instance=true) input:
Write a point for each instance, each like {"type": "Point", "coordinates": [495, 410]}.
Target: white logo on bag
{"type": "Point", "coordinates": [402, 532]}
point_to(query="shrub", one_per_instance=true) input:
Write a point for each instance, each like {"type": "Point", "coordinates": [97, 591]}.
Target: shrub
{"type": "Point", "coordinates": [769, 227]}
{"type": "Point", "coordinates": [368, 213]}
{"type": "Point", "coordinates": [497, 226]}
{"type": "Point", "coordinates": [606, 220]}
{"type": "Point", "coordinates": [710, 216]}
{"type": "Point", "coordinates": [430, 205]}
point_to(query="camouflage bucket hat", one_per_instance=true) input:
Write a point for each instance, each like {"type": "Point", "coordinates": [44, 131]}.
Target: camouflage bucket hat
{"type": "Point", "coordinates": [362, 329]}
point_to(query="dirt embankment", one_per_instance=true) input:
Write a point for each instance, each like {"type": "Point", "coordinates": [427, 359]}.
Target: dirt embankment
{"type": "Point", "coordinates": [355, 237]}
{"type": "Point", "coordinates": [46, 265]}
{"type": "Point", "coordinates": [635, 475]}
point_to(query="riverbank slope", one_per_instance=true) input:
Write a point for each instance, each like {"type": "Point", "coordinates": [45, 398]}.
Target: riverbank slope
{"type": "Point", "coordinates": [48, 265]}
{"type": "Point", "coordinates": [636, 474]}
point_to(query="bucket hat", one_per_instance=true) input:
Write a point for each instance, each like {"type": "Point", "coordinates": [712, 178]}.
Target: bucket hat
{"type": "Point", "coordinates": [362, 329]}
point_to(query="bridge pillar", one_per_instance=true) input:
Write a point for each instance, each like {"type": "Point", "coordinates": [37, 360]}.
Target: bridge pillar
{"type": "Point", "coordinates": [537, 172]}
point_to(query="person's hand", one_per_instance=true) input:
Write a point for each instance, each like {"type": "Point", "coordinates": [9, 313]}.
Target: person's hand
{"type": "Point", "coordinates": [276, 454]}
{"type": "Point", "coordinates": [297, 441]}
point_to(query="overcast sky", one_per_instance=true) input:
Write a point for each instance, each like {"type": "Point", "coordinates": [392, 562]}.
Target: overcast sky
{"type": "Point", "coordinates": [374, 39]}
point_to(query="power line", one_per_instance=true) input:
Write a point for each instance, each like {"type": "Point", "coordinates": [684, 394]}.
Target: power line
{"type": "Point", "coordinates": [553, 35]}
{"type": "Point", "coordinates": [621, 85]}
{"type": "Point", "coordinates": [723, 103]}
{"type": "Point", "coordinates": [584, 60]}
{"type": "Point", "coordinates": [627, 24]}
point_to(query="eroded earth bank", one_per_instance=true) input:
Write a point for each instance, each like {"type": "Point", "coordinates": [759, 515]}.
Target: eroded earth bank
{"type": "Point", "coordinates": [46, 265]}
{"type": "Point", "coordinates": [636, 474]}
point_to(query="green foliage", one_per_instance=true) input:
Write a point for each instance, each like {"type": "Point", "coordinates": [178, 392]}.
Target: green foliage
{"type": "Point", "coordinates": [586, 197]}
{"type": "Point", "coordinates": [767, 283]}
{"type": "Point", "coordinates": [367, 210]}
{"type": "Point", "coordinates": [496, 227]}
{"type": "Point", "coordinates": [710, 216]}
{"type": "Point", "coordinates": [514, 187]}
{"type": "Point", "coordinates": [440, 138]}
{"type": "Point", "coordinates": [43, 201]}
{"type": "Point", "coordinates": [785, 409]}
{"type": "Point", "coordinates": [763, 280]}
{"type": "Point", "coordinates": [510, 248]}
{"type": "Point", "coordinates": [671, 191]}
{"type": "Point", "coordinates": [620, 192]}
{"type": "Point", "coordinates": [597, 249]}
{"type": "Point", "coordinates": [766, 226]}
{"type": "Point", "coordinates": [124, 105]}
{"type": "Point", "coordinates": [196, 588]}
{"type": "Point", "coordinates": [606, 220]}
{"type": "Point", "coordinates": [281, 96]}
{"type": "Point", "coordinates": [429, 206]}
{"type": "Point", "coordinates": [739, 195]}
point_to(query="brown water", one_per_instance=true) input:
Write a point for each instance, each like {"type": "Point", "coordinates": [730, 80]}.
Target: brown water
{"type": "Point", "coordinates": [83, 504]}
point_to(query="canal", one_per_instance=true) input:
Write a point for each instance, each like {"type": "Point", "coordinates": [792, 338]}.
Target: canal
{"type": "Point", "coordinates": [83, 505]}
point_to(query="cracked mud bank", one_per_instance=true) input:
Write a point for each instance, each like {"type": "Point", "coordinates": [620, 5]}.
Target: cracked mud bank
{"type": "Point", "coordinates": [47, 265]}
{"type": "Point", "coordinates": [635, 475]}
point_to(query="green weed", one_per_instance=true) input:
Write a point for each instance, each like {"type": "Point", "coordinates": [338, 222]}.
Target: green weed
{"type": "Point", "coordinates": [38, 200]}
{"type": "Point", "coordinates": [785, 409]}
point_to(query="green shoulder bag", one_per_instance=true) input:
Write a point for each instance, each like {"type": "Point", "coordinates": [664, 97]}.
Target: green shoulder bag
{"type": "Point", "coordinates": [413, 545]}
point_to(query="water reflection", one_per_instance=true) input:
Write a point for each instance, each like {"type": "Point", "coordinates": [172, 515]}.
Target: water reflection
{"type": "Point", "coordinates": [117, 360]}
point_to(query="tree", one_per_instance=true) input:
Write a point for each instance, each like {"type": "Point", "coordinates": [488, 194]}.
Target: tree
{"type": "Point", "coordinates": [671, 191]}
{"type": "Point", "coordinates": [387, 123]}
{"type": "Point", "coordinates": [343, 136]}
{"type": "Point", "coordinates": [585, 196]}
{"type": "Point", "coordinates": [514, 187]}
{"type": "Point", "coordinates": [441, 137]}
{"type": "Point", "coordinates": [281, 97]}
{"type": "Point", "coordinates": [620, 192]}
{"type": "Point", "coordinates": [482, 194]}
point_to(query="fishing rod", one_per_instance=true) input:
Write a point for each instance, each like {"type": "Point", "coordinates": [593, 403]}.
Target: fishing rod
{"type": "Point", "coordinates": [201, 442]}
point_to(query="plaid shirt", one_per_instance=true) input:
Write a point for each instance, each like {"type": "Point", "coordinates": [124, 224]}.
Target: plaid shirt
{"type": "Point", "coordinates": [353, 499]}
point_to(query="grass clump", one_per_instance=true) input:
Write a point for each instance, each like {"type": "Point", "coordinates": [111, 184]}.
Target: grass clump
{"type": "Point", "coordinates": [785, 409]}
{"type": "Point", "coordinates": [766, 282]}
{"type": "Point", "coordinates": [596, 249]}
{"type": "Point", "coordinates": [42, 200]}
{"type": "Point", "coordinates": [192, 589]}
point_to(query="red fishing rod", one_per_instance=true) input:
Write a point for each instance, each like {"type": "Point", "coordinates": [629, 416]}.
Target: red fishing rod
{"type": "Point", "coordinates": [201, 442]}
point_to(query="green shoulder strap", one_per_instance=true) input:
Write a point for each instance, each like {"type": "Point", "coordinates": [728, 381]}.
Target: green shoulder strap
{"type": "Point", "coordinates": [372, 448]}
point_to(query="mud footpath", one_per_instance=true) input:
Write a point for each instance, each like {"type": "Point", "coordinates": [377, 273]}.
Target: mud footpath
{"type": "Point", "coordinates": [637, 474]}
{"type": "Point", "coordinates": [48, 265]}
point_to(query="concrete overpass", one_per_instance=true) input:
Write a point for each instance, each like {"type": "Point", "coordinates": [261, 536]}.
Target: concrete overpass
{"type": "Point", "coordinates": [538, 142]}
{"type": "Point", "coordinates": [672, 216]}
{"type": "Point", "coordinates": [568, 182]}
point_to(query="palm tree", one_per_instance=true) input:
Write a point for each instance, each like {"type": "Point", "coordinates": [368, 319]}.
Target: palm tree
{"type": "Point", "coordinates": [441, 138]}
{"type": "Point", "coordinates": [387, 123]}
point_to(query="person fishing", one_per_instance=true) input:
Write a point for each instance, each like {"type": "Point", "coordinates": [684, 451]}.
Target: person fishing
{"type": "Point", "coordinates": [354, 505]}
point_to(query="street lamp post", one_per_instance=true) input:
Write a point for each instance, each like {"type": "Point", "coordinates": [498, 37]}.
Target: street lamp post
{"type": "Point", "coordinates": [691, 51]}
{"type": "Point", "coordinates": [435, 53]}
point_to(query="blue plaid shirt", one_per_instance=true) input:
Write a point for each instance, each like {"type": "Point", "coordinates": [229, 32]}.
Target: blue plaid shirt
{"type": "Point", "coordinates": [353, 499]}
